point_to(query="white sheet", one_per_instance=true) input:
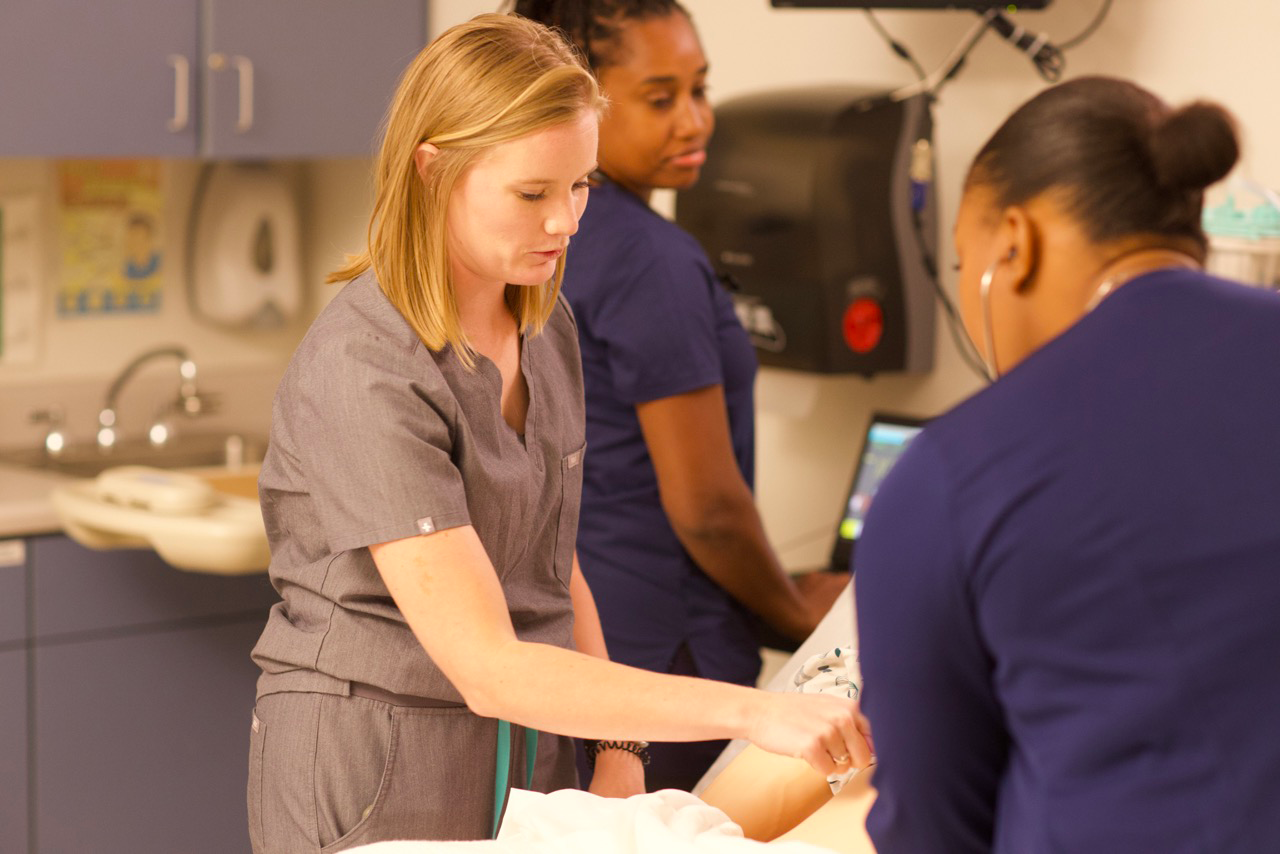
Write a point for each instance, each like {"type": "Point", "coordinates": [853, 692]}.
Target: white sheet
{"type": "Point", "coordinates": [569, 821]}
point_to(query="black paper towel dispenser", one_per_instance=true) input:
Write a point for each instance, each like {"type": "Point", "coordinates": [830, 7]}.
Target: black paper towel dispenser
{"type": "Point", "coordinates": [816, 205]}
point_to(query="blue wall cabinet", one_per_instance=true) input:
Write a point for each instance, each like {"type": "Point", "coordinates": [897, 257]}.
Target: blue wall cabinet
{"type": "Point", "coordinates": [13, 750]}
{"type": "Point", "coordinates": [142, 741]}
{"type": "Point", "coordinates": [13, 696]}
{"type": "Point", "coordinates": [311, 78]}
{"type": "Point", "coordinates": [135, 726]}
{"type": "Point", "coordinates": [105, 79]}
{"type": "Point", "coordinates": [213, 78]}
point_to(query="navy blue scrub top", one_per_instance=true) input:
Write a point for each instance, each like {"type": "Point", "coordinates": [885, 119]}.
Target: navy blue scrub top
{"type": "Point", "coordinates": [653, 322]}
{"type": "Point", "coordinates": [1068, 593]}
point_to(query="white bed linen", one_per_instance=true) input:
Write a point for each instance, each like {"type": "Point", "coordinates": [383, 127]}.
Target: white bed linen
{"type": "Point", "coordinates": [575, 822]}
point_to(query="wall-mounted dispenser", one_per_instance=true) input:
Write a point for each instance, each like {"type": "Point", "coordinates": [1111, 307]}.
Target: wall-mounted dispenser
{"type": "Point", "coordinates": [246, 257]}
{"type": "Point", "coordinates": [816, 205]}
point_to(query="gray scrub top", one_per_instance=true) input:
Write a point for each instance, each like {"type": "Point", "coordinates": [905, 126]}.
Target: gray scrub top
{"type": "Point", "coordinates": [375, 438]}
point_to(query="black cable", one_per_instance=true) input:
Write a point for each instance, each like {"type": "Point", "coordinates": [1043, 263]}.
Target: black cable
{"type": "Point", "coordinates": [1089, 30]}
{"type": "Point", "coordinates": [959, 61]}
{"type": "Point", "coordinates": [1050, 64]}
{"type": "Point", "coordinates": [895, 45]}
{"type": "Point", "coordinates": [1051, 70]}
{"type": "Point", "coordinates": [1044, 54]}
{"type": "Point", "coordinates": [964, 344]}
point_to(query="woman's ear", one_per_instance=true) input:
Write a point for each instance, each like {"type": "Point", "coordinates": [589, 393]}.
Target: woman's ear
{"type": "Point", "coordinates": [1019, 233]}
{"type": "Point", "coordinates": [423, 156]}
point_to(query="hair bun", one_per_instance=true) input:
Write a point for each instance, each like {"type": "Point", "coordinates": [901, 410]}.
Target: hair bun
{"type": "Point", "coordinates": [1194, 146]}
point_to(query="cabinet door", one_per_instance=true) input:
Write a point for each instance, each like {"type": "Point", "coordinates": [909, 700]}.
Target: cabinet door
{"type": "Point", "coordinates": [13, 696]}
{"type": "Point", "coordinates": [142, 741]}
{"type": "Point", "coordinates": [81, 590]}
{"type": "Point", "coordinates": [100, 79]}
{"type": "Point", "coordinates": [304, 78]}
{"type": "Point", "coordinates": [13, 594]}
{"type": "Point", "coordinates": [13, 750]}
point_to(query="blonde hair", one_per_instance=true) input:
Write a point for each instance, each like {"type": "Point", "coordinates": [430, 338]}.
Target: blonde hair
{"type": "Point", "coordinates": [491, 80]}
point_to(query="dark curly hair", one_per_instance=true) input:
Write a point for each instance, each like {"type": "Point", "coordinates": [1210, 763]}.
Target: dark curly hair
{"type": "Point", "coordinates": [595, 26]}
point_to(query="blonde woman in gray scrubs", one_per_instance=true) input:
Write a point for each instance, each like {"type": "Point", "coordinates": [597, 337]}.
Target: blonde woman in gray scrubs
{"type": "Point", "coordinates": [422, 487]}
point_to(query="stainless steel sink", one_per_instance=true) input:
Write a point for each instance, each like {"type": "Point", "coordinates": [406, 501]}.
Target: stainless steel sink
{"type": "Point", "coordinates": [189, 450]}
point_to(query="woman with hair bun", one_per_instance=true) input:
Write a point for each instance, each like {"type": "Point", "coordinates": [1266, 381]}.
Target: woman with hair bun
{"type": "Point", "coordinates": [1068, 588]}
{"type": "Point", "coordinates": [421, 494]}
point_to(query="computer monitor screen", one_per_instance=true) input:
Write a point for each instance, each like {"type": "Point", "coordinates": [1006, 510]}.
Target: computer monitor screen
{"type": "Point", "coordinates": [886, 438]}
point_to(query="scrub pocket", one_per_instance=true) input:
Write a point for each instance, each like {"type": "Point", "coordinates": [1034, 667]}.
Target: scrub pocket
{"type": "Point", "coordinates": [341, 772]}
{"type": "Point", "coordinates": [570, 505]}
{"type": "Point", "coordinates": [438, 780]}
{"type": "Point", "coordinates": [354, 755]}
{"type": "Point", "coordinates": [316, 766]}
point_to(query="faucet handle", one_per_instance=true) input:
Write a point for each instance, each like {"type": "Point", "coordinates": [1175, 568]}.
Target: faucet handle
{"type": "Point", "coordinates": [195, 405]}
{"type": "Point", "coordinates": [54, 440]}
{"type": "Point", "coordinates": [52, 415]}
{"type": "Point", "coordinates": [192, 404]}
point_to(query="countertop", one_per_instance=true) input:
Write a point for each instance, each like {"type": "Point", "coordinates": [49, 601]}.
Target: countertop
{"type": "Point", "coordinates": [25, 508]}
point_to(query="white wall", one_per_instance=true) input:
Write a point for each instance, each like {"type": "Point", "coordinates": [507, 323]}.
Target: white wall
{"type": "Point", "coordinates": [808, 427]}
{"type": "Point", "coordinates": [78, 356]}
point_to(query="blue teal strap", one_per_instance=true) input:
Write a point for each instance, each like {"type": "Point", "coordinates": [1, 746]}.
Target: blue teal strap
{"type": "Point", "coordinates": [530, 755]}
{"type": "Point", "coordinates": [502, 766]}
{"type": "Point", "coordinates": [501, 769]}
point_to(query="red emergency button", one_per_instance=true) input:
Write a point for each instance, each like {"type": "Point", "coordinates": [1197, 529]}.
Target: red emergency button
{"type": "Point", "coordinates": [863, 325]}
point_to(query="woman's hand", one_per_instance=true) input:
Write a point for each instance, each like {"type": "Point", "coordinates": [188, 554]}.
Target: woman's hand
{"type": "Point", "coordinates": [827, 732]}
{"type": "Point", "coordinates": [618, 774]}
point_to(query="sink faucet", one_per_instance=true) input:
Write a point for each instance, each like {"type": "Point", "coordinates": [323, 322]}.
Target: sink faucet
{"type": "Point", "coordinates": [188, 402]}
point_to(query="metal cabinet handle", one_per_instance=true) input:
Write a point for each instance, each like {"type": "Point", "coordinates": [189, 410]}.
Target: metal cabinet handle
{"type": "Point", "coordinates": [244, 67]}
{"type": "Point", "coordinates": [181, 93]}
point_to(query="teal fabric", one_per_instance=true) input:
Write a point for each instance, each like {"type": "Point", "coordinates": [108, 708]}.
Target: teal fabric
{"type": "Point", "coordinates": [502, 769]}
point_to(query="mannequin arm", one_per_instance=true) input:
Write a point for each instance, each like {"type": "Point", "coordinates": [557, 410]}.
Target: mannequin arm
{"type": "Point", "coordinates": [767, 794]}
{"type": "Point", "coordinates": [841, 823]}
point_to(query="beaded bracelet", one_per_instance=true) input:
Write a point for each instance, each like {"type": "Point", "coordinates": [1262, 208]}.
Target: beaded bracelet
{"type": "Point", "coordinates": [639, 748]}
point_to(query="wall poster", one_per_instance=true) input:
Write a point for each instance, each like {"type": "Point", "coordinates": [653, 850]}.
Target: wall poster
{"type": "Point", "coordinates": [111, 259]}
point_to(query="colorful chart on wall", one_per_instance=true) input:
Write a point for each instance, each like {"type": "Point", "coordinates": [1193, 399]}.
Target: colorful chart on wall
{"type": "Point", "coordinates": [111, 258]}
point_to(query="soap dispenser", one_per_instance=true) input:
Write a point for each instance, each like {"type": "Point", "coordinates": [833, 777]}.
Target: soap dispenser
{"type": "Point", "coordinates": [246, 258]}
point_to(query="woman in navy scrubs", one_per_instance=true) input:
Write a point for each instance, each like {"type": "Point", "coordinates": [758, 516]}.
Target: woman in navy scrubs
{"type": "Point", "coordinates": [1068, 586]}
{"type": "Point", "coordinates": [669, 540]}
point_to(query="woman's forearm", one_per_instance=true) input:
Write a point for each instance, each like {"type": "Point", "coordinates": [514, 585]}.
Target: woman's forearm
{"type": "Point", "coordinates": [449, 594]}
{"type": "Point", "coordinates": [726, 539]}
{"type": "Point", "coordinates": [564, 691]}
{"type": "Point", "coordinates": [711, 508]}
